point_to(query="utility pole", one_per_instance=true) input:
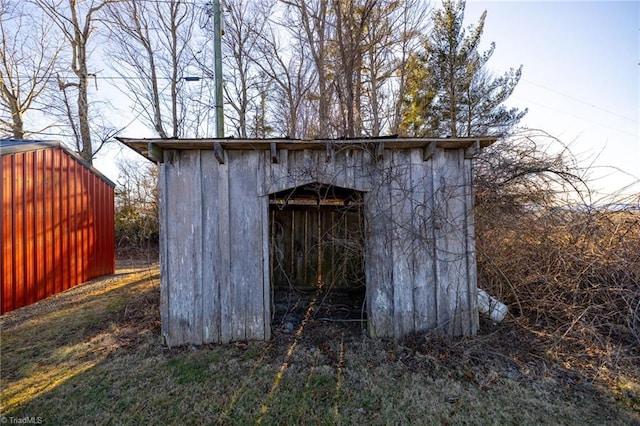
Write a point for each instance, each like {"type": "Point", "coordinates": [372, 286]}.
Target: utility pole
{"type": "Point", "coordinates": [217, 57]}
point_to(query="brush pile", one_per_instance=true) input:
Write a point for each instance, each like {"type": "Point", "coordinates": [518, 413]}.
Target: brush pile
{"type": "Point", "coordinates": [568, 268]}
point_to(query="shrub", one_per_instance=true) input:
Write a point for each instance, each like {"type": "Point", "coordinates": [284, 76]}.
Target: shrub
{"type": "Point", "coordinates": [562, 264]}
{"type": "Point", "coordinates": [136, 216]}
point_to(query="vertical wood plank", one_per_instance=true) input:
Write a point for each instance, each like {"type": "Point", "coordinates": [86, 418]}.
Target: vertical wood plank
{"type": "Point", "coordinates": [402, 242]}
{"type": "Point", "coordinates": [184, 232]}
{"type": "Point", "coordinates": [443, 314]}
{"type": "Point", "coordinates": [255, 325]}
{"type": "Point", "coordinates": [361, 181]}
{"type": "Point", "coordinates": [327, 167]}
{"type": "Point", "coordinates": [378, 261]}
{"type": "Point", "coordinates": [196, 331]}
{"type": "Point", "coordinates": [270, 172]}
{"type": "Point", "coordinates": [224, 270]}
{"type": "Point", "coordinates": [266, 258]}
{"type": "Point", "coordinates": [472, 277]}
{"type": "Point", "coordinates": [175, 246]}
{"type": "Point", "coordinates": [274, 172]}
{"type": "Point", "coordinates": [211, 264]}
{"type": "Point", "coordinates": [173, 335]}
{"type": "Point", "coordinates": [246, 246]}
{"type": "Point", "coordinates": [451, 243]}
{"type": "Point", "coordinates": [422, 252]}
{"type": "Point", "coordinates": [340, 169]}
{"type": "Point", "coordinates": [458, 231]}
{"type": "Point", "coordinates": [165, 272]}
{"type": "Point", "coordinates": [237, 218]}
{"type": "Point", "coordinates": [283, 170]}
{"type": "Point", "coordinates": [351, 169]}
{"type": "Point", "coordinates": [294, 169]}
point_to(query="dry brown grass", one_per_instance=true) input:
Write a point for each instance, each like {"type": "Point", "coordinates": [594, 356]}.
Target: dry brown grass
{"type": "Point", "coordinates": [569, 271]}
{"type": "Point", "coordinates": [93, 356]}
{"type": "Point", "coordinates": [573, 279]}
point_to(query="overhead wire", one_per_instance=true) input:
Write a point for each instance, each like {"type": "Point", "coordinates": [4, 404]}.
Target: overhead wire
{"type": "Point", "coordinates": [591, 104]}
{"type": "Point", "coordinates": [528, 101]}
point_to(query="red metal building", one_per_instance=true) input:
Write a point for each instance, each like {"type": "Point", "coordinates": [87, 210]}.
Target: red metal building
{"type": "Point", "coordinates": [57, 222]}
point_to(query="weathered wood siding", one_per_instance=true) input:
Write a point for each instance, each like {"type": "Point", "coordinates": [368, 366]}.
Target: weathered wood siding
{"type": "Point", "coordinates": [419, 253]}
{"type": "Point", "coordinates": [212, 249]}
{"type": "Point", "coordinates": [420, 261]}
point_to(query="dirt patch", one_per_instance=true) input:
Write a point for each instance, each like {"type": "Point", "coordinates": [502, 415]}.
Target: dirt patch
{"type": "Point", "coordinates": [339, 311]}
{"type": "Point", "coordinates": [125, 269]}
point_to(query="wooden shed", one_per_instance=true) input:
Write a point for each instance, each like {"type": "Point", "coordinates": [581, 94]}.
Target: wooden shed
{"type": "Point", "coordinates": [57, 221]}
{"type": "Point", "coordinates": [237, 215]}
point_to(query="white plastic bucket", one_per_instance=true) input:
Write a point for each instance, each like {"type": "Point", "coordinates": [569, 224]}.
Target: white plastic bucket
{"type": "Point", "coordinates": [491, 307]}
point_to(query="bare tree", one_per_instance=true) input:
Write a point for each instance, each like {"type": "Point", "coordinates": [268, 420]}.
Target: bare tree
{"type": "Point", "coordinates": [244, 22]}
{"type": "Point", "coordinates": [290, 71]}
{"type": "Point", "coordinates": [77, 23]}
{"type": "Point", "coordinates": [137, 199]}
{"type": "Point", "coordinates": [352, 27]}
{"type": "Point", "coordinates": [359, 50]}
{"type": "Point", "coordinates": [309, 22]}
{"type": "Point", "coordinates": [27, 60]}
{"type": "Point", "coordinates": [153, 56]}
{"type": "Point", "coordinates": [396, 33]}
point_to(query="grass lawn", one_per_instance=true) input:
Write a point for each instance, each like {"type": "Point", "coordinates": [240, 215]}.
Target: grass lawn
{"type": "Point", "coordinates": [93, 355]}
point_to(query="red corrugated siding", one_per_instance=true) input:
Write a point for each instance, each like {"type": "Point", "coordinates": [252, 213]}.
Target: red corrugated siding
{"type": "Point", "coordinates": [57, 226]}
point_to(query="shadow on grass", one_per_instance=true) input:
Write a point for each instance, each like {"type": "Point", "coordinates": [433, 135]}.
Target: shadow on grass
{"type": "Point", "coordinates": [102, 363]}
{"type": "Point", "coordinates": [47, 343]}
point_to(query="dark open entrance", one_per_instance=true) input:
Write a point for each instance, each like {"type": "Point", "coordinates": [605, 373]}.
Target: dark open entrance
{"type": "Point", "coordinates": [317, 256]}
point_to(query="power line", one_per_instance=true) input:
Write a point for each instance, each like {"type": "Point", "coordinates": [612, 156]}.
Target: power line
{"type": "Point", "coordinates": [579, 100]}
{"type": "Point", "coordinates": [133, 77]}
{"type": "Point", "coordinates": [573, 115]}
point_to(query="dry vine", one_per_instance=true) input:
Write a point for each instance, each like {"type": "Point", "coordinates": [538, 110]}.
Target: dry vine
{"type": "Point", "coordinates": [569, 270]}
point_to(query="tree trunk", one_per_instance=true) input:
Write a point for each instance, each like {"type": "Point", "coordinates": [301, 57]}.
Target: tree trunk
{"type": "Point", "coordinates": [82, 73]}
{"type": "Point", "coordinates": [17, 125]}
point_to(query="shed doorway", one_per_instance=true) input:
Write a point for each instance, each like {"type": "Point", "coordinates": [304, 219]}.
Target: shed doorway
{"type": "Point", "coordinates": [317, 256]}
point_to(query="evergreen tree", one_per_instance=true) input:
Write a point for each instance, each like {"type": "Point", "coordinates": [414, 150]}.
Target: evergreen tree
{"type": "Point", "coordinates": [450, 92]}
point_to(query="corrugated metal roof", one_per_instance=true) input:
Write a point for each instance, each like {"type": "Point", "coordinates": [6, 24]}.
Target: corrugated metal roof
{"type": "Point", "coordinates": [12, 146]}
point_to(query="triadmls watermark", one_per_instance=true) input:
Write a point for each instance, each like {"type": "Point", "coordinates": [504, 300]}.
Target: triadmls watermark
{"type": "Point", "coordinates": [24, 420]}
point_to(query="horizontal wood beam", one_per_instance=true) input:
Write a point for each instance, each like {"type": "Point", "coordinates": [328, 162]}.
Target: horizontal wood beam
{"type": "Point", "coordinates": [376, 145]}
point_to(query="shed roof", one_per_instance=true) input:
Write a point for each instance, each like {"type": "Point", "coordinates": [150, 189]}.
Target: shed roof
{"type": "Point", "coordinates": [151, 148]}
{"type": "Point", "coordinates": [14, 146]}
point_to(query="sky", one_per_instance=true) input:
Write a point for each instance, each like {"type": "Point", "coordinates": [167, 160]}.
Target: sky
{"type": "Point", "coordinates": [580, 79]}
